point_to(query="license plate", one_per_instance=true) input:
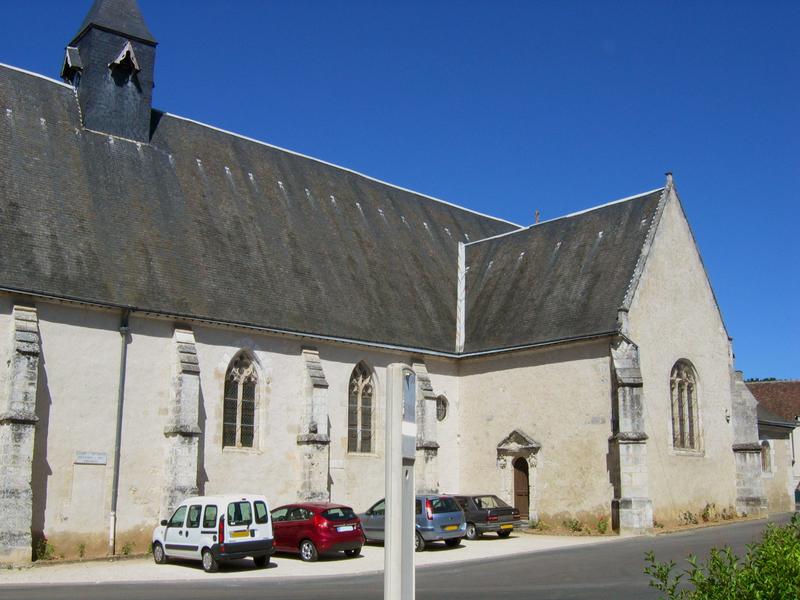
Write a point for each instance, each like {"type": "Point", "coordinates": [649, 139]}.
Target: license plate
{"type": "Point", "coordinates": [506, 527]}
{"type": "Point", "coordinates": [450, 527]}
{"type": "Point", "coordinates": [240, 534]}
{"type": "Point", "coordinates": [345, 528]}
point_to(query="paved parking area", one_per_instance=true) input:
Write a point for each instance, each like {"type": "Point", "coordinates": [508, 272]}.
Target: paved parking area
{"type": "Point", "coordinates": [285, 565]}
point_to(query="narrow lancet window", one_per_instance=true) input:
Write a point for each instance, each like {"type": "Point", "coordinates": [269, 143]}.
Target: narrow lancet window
{"type": "Point", "coordinates": [685, 423]}
{"type": "Point", "coordinates": [240, 403]}
{"type": "Point", "coordinates": [359, 410]}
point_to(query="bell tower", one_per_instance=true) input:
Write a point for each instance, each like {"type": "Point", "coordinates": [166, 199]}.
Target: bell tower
{"type": "Point", "coordinates": [111, 62]}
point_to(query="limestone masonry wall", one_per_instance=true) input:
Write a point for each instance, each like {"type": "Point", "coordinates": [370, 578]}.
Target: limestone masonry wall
{"type": "Point", "coordinates": [673, 316]}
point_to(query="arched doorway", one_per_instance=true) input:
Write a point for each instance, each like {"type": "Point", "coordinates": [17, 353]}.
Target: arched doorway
{"type": "Point", "coordinates": [522, 488]}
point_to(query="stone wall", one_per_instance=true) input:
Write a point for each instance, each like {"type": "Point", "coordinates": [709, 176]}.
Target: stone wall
{"type": "Point", "coordinates": [559, 398]}
{"type": "Point", "coordinates": [162, 455]}
{"type": "Point", "coordinates": [777, 480]}
{"type": "Point", "coordinates": [673, 316]}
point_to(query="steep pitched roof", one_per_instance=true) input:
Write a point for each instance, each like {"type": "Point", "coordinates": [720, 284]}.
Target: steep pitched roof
{"type": "Point", "coordinates": [557, 280]}
{"type": "Point", "coordinates": [779, 397]}
{"type": "Point", "coordinates": [120, 16]}
{"type": "Point", "coordinates": [205, 224]}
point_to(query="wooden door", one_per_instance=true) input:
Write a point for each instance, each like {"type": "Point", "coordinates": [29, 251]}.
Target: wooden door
{"type": "Point", "coordinates": [521, 487]}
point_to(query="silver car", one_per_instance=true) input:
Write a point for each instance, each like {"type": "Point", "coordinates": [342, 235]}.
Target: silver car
{"type": "Point", "coordinates": [438, 518]}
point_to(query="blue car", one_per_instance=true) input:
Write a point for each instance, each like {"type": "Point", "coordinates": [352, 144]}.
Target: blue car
{"type": "Point", "coordinates": [438, 518]}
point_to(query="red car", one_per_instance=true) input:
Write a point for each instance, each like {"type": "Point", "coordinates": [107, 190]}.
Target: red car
{"type": "Point", "coordinates": [315, 528]}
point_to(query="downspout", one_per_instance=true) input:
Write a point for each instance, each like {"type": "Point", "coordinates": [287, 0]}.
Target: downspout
{"type": "Point", "coordinates": [123, 358]}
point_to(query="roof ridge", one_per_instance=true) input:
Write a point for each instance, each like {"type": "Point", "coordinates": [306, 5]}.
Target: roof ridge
{"type": "Point", "coordinates": [39, 75]}
{"type": "Point", "coordinates": [567, 216]}
{"type": "Point", "coordinates": [340, 167]}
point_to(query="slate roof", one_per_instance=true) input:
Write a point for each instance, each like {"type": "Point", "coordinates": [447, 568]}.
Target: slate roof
{"type": "Point", "coordinates": [767, 417]}
{"type": "Point", "coordinates": [779, 397]}
{"type": "Point", "coordinates": [121, 16]}
{"type": "Point", "coordinates": [557, 280]}
{"type": "Point", "coordinates": [205, 224]}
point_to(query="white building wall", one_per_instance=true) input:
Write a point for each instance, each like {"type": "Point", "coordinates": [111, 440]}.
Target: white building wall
{"type": "Point", "coordinates": [673, 316]}
{"type": "Point", "coordinates": [561, 397]}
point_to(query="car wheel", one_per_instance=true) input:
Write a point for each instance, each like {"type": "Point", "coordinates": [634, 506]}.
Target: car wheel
{"type": "Point", "coordinates": [308, 551]}
{"type": "Point", "coordinates": [419, 543]}
{"type": "Point", "coordinates": [472, 532]}
{"type": "Point", "coordinates": [504, 534]}
{"type": "Point", "coordinates": [210, 564]}
{"type": "Point", "coordinates": [158, 554]}
{"type": "Point", "coordinates": [261, 561]}
{"type": "Point", "coordinates": [353, 553]}
{"type": "Point", "coordinates": [453, 542]}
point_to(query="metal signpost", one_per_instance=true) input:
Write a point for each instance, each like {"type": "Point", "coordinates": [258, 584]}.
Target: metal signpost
{"type": "Point", "coordinates": [401, 445]}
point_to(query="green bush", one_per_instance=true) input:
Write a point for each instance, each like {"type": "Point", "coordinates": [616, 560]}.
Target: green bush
{"type": "Point", "coordinates": [602, 526]}
{"type": "Point", "coordinates": [43, 550]}
{"type": "Point", "coordinates": [769, 571]}
{"type": "Point", "coordinates": [573, 525]}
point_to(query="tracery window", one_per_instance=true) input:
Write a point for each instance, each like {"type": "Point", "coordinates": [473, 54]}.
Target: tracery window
{"type": "Point", "coordinates": [359, 410]}
{"type": "Point", "coordinates": [239, 411]}
{"type": "Point", "coordinates": [685, 423]}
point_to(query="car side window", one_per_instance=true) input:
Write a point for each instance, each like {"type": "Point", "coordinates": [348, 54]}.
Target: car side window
{"type": "Point", "coordinates": [177, 517]}
{"type": "Point", "coordinates": [418, 507]}
{"type": "Point", "coordinates": [304, 514]}
{"type": "Point", "coordinates": [210, 516]}
{"type": "Point", "coordinates": [194, 516]}
{"type": "Point", "coordinates": [261, 512]}
{"type": "Point", "coordinates": [379, 508]}
{"type": "Point", "coordinates": [279, 515]}
{"type": "Point", "coordinates": [462, 502]}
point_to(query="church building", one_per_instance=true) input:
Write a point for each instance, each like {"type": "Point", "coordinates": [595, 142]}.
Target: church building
{"type": "Point", "coordinates": [186, 310]}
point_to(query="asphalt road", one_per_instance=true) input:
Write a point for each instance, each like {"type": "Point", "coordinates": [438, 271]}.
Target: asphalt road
{"type": "Point", "coordinates": [605, 572]}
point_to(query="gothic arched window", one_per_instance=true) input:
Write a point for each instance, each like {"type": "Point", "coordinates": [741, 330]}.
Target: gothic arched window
{"type": "Point", "coordinates": [685, 422]}
{"type": "Point", "coordinates": [239, 411]}
{"type": "Point", "coordinates": [359, 410]}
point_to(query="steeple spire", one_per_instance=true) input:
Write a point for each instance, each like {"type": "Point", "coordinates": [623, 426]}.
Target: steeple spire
{"type": "Point", "coordinates": [111, 64]}
{"type": "Point", "coordinates": [117, 16]}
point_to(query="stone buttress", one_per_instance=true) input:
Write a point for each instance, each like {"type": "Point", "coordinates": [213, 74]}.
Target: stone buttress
{"type": "Point", "coordinates": [314, 439]}
{"type": "Point", "coordinates": [426, 469]}
{"type": "Point", "coordinates": [750, 497]}
{"type": "Point", "coordinates": [632, 508]}
{"type": "Point", "coordinates": [183, 430]}
{"type": "Point", "coordinates": [17, 428]}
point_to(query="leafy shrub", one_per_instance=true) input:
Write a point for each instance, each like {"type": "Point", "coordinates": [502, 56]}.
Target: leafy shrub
{"type": "Point", "coordinates": [573, 525]}
{"type": "Point", "coordinates": [43, 550]}
{"type": "Point", "coordinates": [127, 548]}
{"type": "Point", "coordinates": [769, 571]}
{"type": "Point", "coordinates": [81, 550]}
{"type": "Point", "coordinates": [710, 513]}
{"type": "Point", "coordinates": [687, 518]}
{"type": "Point", "coordinates": [602, 525]}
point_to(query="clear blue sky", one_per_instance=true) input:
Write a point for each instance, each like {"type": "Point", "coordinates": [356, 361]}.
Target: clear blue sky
{"type": "Point", "coordinates": [509, 107]}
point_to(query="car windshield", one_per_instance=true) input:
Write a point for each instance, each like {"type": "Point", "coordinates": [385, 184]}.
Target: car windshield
{"type": "Point", "coordinates": [445, 504]}
{"type": "Point", "coordinates": [340, 513]}
{"type": "Point", "coordinates": [239, 513]}
{"type": "Point", "coordinates": [489, 502]}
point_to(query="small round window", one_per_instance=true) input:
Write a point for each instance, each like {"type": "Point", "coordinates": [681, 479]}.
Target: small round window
{"type": "Point", "coordinates": [441, 408]}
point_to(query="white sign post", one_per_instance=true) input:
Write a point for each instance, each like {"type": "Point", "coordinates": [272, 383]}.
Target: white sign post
{"type": "Point", "coordinates": [401, 445]}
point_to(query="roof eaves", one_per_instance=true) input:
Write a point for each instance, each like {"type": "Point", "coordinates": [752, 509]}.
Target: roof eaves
{"type": "Point", "coordinates": [324, 162]}
{"type": "Point", "coordinates": [574, 214]}
{"type": "Point", "coordinates": [644, 254]}
{"type": "Point", "coordinates": [50, 79]}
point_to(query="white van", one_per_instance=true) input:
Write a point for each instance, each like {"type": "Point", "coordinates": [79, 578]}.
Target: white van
{"type": "Point", "coordinates": [216, 528]}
